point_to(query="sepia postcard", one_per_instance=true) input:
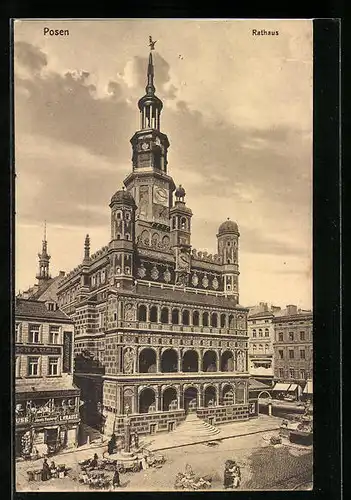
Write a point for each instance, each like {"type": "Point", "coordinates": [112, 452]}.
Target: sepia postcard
{"type": "Point", "coordinates": [163, 314]}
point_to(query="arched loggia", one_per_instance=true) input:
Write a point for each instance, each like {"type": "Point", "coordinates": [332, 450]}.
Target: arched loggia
{"type": "Point", "coordinates": [169, 361]}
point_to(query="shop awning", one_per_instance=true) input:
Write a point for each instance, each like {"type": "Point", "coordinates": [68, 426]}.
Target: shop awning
{"type": "Point", "coordinates": [292, 387]}
{"type": "Point", "coordinates": [308, 388]}
{"type": "Point", "coordinates": [281, 387]}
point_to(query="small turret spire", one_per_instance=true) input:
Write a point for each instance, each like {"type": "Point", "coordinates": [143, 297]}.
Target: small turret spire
{"type": "Point", "coordinates": [87, 248]}
{"type": "Point", "coordinates": [44, 259]}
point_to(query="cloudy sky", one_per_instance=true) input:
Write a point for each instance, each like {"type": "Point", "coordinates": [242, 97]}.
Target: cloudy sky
{"type": "Point", "coordinates": [238, 114]}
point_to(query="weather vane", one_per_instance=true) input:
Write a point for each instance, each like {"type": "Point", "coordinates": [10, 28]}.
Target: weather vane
{"type": "Point", "coordinates": [152, 43]}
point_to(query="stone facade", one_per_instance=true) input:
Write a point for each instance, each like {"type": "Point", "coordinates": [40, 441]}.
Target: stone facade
{"type": "Point", "coordinates": [47, 402]}
{"type": "Point", "coordinates": [158, 324]}
{"type": "Point", "coordinates": [293, 347]}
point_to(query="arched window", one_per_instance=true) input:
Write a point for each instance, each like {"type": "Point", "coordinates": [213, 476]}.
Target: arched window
{"type": "Point", "coordinates": [153, 314]}
{"type": "Point", "coordinates": [175, 317]}
{"type": "Point", "coordinates": [223, 317]}
{"type": "Point", "coordinates": [260, 348]}
{"type": "Point", "coordinates": [266, 332]}
{"type": "Point", "coordinates": [214, 320]}
{"type": "Point", "coordinates": [254, 333]}
{"type": "Point", "coordinates": [164, 315]}
{"type": "Point", "coordinates": [254, 348]}
{"type": "Point", "coordinates": [185, 317]}
{"type": "Point", "coordinates": [183, 223]}
{"type": "Point", "coordinates": [205, 319]}
{"type": "Point", "coordinates": [266, 348]}
{"type": "Point", "coordinates": [196, 318]}
{"type": "Point", "coordinates": [260, 334]}
{"type": "Point", "coordinates": [142, 313]}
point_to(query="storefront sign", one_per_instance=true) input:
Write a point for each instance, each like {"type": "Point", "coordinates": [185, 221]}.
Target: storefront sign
{"type": "Point", "coordinates": [47, 418]}
{"type": "Point", "coordinates": [38, 349]}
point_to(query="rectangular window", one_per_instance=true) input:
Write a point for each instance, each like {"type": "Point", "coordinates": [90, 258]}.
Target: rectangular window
{"type": "Point", "coordinates": [291, 373]}
{"type": "Point", "coordinates": [303, 374]}
{"type": "Point", "coordinates": [266, 332]}
{"type": "Point", "coordinates": [280, 337]}
{"type": "Point", "coordinates": [291, 354]}
{"type": "Point", "coordinates": [34, 334]}
{"type": "Point", "coordinates": [254, 334]}
{"type": "Point", "coordinates": [302, 354]}
{"type": "Point", "coordinates": [281, 354]}
{"type": "Point", "coordinates": [17, 367]}
{"type": "Point", "coordinates": [67, 352]}
{"type": "Point", "coordinates": [33, 366]}
{"type": "Point", "coordinates": [302, 336]}
{"type": "Point", "coordinates": [54, 335]}
{"type": "Point", "coordinates": [18, 333]}
{"type": "Point", "coordinates": [281, 373]}
{"type": "Point", "coordinates": [53, 366]}
{"type": "Point", "coordinates": [260, 334]}
{"type": "Point", "coordinates": [291, 336]}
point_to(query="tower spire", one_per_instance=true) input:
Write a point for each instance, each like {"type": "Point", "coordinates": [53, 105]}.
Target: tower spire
{"type": "Point", "coordinates": [87, 248]}
{"type": "Point", "coordinates": [150, 105]}
{"type": "Point", "coordinates": [150, 87]}
{"type": "Point", "coordinates": [44, 260]}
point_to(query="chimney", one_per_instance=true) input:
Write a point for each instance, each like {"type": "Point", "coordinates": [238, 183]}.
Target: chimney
{"type": "Point", "coordinates": [291, 310]}
{"type": "Point", "coordinates": [62, 273]}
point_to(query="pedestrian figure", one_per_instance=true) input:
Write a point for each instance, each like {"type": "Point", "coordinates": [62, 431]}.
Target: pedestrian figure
{"type": "Point", "coordinates": [45, 472]}
{"type": "Point", "coordinates": [94, 461]}
{"type": "Point", "coordinates": [136, 440]}
{"type": "Point", "coordinates": [53, 469]}
{"type": "Point", "coordinates": [115, 480]}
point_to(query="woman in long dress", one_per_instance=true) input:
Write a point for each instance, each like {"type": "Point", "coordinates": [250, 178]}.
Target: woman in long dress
{"type": "Point", "coordinates": [45, 472]}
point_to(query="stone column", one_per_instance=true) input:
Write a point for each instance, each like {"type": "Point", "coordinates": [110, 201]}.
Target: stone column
{"type": "Point", "coordinates": [200, 395]}
{"type": "Point", "coordinates": [191, 318]}
{"type": "Point", "coordinates": [217, 394]}
{"type": "Point", "coordinates": [158, 360]}
{"type": "Point", "coordinates": [136, 360]}
{"type": "Point", "coordinates": [179, 351]}
{"type": "Point", "coordinates": [158, 314]}
{"type": "Point", "coordinates": [158, 399]}
{"type": "Point", "coordinates": [147, 313]}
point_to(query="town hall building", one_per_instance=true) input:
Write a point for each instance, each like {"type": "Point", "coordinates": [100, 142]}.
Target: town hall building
{"type": "Point", "coordinates": [159, 329]}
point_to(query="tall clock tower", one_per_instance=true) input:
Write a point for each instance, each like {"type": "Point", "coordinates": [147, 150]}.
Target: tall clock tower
{"type": "Point", "coordinates": [149, 183]}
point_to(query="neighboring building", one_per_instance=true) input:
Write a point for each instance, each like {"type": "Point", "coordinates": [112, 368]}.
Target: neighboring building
{"type": "Point", "coordinates": [159, 328]}
{"type": "Point", "coordinates": [261, 339]}
{"type": "Point", "coordinates": [47, 402]}
{"type": "Point", "coordinates": [293, 347]}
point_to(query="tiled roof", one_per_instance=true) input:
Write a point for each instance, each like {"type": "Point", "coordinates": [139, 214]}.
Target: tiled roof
{"type": "Point", "coordinates": [256, 384]}
{"type": "Point", "coordinates": [42, 386]}
{"type": "Point", "coordinates": [264, 314]}
{"type": "Point", "coordinates": [31, 308]}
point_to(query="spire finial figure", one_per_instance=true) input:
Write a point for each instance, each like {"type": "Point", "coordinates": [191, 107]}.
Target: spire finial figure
{"type": "Point", "coordinates": [152, 43]}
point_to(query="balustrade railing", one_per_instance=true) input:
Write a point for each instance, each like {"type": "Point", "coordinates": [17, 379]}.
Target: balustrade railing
{"type": "Point", "coordinates": [148, 325]}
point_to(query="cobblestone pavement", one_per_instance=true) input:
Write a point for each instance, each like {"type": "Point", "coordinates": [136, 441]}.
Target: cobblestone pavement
{"type": "Point", "coordinates": [205, 460]}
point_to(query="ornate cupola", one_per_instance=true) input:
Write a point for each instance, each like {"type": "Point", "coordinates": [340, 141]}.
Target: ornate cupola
{"type": "Point", "coordinates": [150, 105]}
{"type": "Point", "coordinates": [228, 249]}
{"type": "Point", "coordinates": [149, 183]}
{"type": "Point", "coordinates": [44, 261]}
{"type": "Point", "coordinates": [180, 216]}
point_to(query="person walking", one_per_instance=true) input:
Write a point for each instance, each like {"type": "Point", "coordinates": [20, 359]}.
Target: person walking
{"type": "Point", "coordinates": [45, 472]}
{"type": "Point", "coordinates": [115, 480]}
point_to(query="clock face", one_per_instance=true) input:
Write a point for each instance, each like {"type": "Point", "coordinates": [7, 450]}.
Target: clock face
{"type": "Point", "coordinates": [145, 146]}
{"type": "Point", "coordinates": [160, 196]}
